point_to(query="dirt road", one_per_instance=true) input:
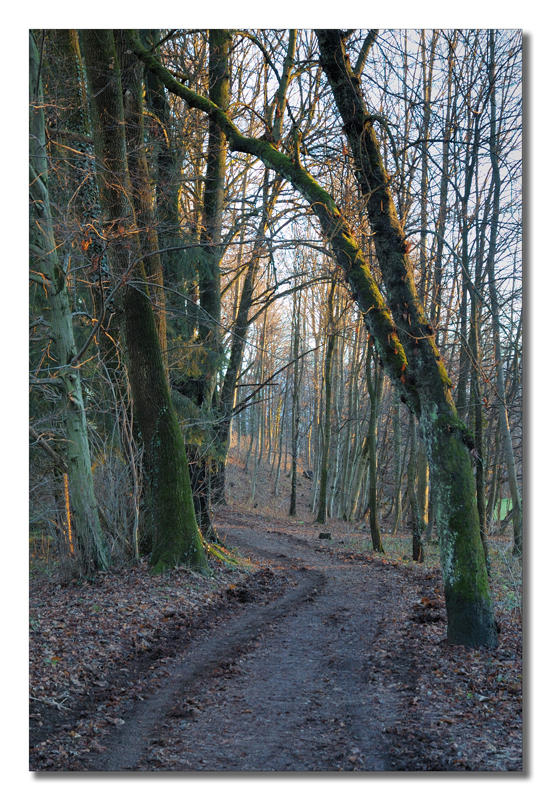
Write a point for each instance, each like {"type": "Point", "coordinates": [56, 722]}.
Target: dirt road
{"type": "Point", "coordinates": [285, 686]}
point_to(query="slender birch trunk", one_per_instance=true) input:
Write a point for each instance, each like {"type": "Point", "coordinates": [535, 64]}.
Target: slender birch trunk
{"type": "Point", "coordinates": [295, 404]}
{"type": "Point", "coordinates": [505, 430]}
{"type": "Point", "coordinates": [90, 545]}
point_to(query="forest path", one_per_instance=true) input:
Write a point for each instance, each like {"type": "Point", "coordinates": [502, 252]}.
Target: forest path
{"type": "Point", "coordinates": [285, 686]}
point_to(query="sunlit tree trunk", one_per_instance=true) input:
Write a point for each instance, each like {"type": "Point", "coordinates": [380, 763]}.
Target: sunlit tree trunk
{"type": "Point", "coordinates": [398, 463]}
{"type": "Point", "coordinates": [423, 485]}
{"type": "Point", "coordinates": [295, 403]}
{"type": "Point", "coordinates": [176, 538]}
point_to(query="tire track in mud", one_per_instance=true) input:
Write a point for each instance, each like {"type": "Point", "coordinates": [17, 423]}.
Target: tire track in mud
{"type": "Point", "coordinates": [287, 686]}
{"type": "Point", "coordinates": [202, 657]}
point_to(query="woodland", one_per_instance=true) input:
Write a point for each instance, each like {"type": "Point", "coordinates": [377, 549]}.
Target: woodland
{"type": "Point", "coordinates": [276, 393]}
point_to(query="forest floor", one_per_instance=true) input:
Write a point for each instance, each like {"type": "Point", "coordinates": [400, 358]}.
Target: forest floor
{"type": "Point", "coordinates": [311, 655]}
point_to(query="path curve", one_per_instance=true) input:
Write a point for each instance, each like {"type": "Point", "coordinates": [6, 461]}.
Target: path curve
{"type": "Point", "coordinates": [287, 686]}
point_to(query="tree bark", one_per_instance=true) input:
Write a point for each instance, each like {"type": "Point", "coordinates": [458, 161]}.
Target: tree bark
{"type": "Point", "coordinates": [398, 464]}
{"type": "Point", "coordinates": [375, 389]}
{"type": "Point", "coordinates": [468, 600]}
{"type": "Point", "coordinates": [330, 347]}
{"type": "Point", "coordinates": [176, 538]}
{"type": "Point", "coordinates": [138, 170]}
{"type": "Point", "coordinates": [413, 360]}
{"type": "Point", "coordinates": [416, 522]}
{"type": "Point", "coordinates": [295, 406]}
{"type": "Point", "coordinates": [91, 547]}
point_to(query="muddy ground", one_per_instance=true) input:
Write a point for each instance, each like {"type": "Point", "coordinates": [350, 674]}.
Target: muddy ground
{"type": "Point", "coordinates": [317, 660]}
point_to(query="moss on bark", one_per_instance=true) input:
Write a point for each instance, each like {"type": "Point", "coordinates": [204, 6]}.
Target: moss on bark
{"type": "Point", "coordinates": [411, 359]}
{"type": "Point", "coordinates": [176, 537]}
{"type": "Point", "coordinates": [467, 591]}
{"type": "Point", "coordinates": [91, 547]}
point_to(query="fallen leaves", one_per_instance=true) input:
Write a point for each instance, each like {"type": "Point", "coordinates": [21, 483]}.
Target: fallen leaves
{"type": "Point", "coordinates": [462, 708]}
{"type": "Point", "coordinates": [90, 643]}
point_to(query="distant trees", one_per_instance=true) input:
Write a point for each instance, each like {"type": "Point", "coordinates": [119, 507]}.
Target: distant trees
{"type": "Point", "coordinates": [297, 230]}
{"type": "Point", "coordinates": [426, 383]}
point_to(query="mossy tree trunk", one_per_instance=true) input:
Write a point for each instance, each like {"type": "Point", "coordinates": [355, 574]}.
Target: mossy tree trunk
{"type": "Point", "coordinates": [448, 444]}
{"type": "Point", "coordinates": [176, 538]}
{"type": "Point", "coordinates": [132, 82]}
{"type": "Point", "coordinates": [203, 458]}
{"type": "Point", "coordinates": [90, 545]}
{"type": "Point", "coordinates": [411, 360]}
{"type": "Point", "coordinates": [213, 202]}
{"type": "Point", "coordinates": [166, 149]}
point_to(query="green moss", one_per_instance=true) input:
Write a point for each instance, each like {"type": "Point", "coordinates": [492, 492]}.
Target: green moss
{"type": "Point", "coordinates": [177, 537]}
{"type": "Point", "coordinates": [467, 590]}
{"type": "Point", "coordinates": [443, 373]}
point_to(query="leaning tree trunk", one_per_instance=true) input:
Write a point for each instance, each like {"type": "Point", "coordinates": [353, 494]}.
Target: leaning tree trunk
{"type": "Point", "coordinates": [91, 547]}
{"type": "Point", "coordinates": [468, 599]}
{"type": "Point", "coordinates": [176, 538]}
{"type": "Point", "coordinates": [413, 361]}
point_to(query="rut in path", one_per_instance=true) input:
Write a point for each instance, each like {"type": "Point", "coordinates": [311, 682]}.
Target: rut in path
{"type": "Point", "coordinates": [283, 687]}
